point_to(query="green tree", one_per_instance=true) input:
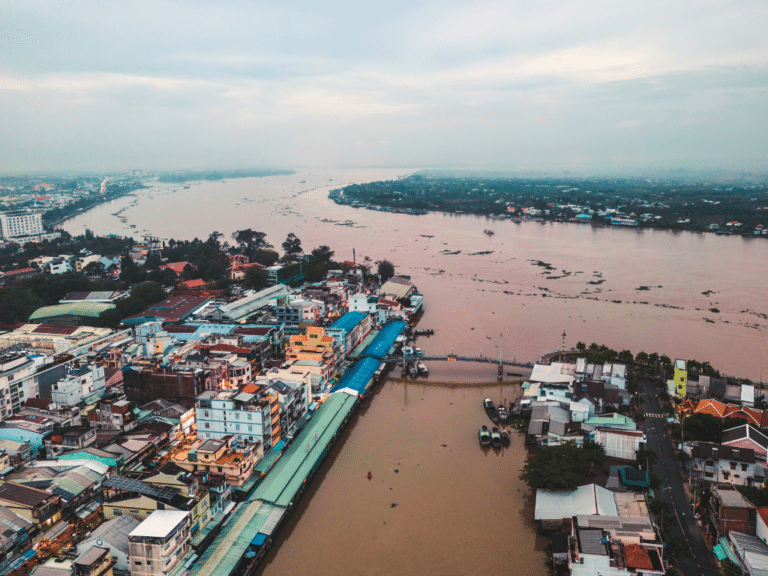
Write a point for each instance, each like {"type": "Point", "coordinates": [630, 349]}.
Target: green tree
{"type": "Point", "coordinates": [255, 278]}
{"type": "Point", "coordinates": [703, 428]}
{"type": "Point", "coordinates": [626, 357]}
{"type": "Point", "coordinates": [323, 254]}
{"type": "Point", "coordinates": [559, 467]}
{"type": "Point", "coordinates": [249, 240]}
{"type": "Point", "coordinates": [110, 318]}
{"type": "Point", "coordinates": [642, 358]}
{"type": "Point", "coordinates": [264, 257]}
{"type": "Point", "coordinates": [581, 347]}
{"type": "Point", "coordinates": [17, 304]}
{"type": "Point", "coordinates": [292, 245]}
{"type": "Point", "coordinates": [129, 272]}
{"type": "Point", "coordinates": [149, 292]}
{"type": "Point", "coordinates": [386, 270]}
{"type": "Point", "coordinates": [315, 271]}
{"type": "Point", "coordinates": [677, 548]}
{"type": "Point", "coordinates": [730, 568]}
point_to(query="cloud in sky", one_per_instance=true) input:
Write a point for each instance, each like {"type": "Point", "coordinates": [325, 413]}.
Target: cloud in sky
{"type": "Point", "coordinates": [544, 85]}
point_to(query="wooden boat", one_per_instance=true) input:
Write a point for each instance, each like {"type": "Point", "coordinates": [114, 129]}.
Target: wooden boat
{"type": "Point", "coordinates": [495, 437]}
{"type": "Point", "coordinates": [490, 407]}
{"type": "Point", "coordinates": [485, 436]}
{"type": "Point", "coordinates": [501, 412]}
{"type": "Point", "coordinates": [505, 439]}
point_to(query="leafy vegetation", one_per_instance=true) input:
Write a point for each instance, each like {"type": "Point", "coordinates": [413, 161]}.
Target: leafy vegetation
{"type": "Point", "coordinates": [668, 204]}
{"type": "Point", "coordinates": [560, 467]}
{"type": "Point", "coordinates": [386, 270]}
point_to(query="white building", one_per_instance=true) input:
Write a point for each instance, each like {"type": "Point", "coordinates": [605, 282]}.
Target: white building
{"type": "Point", "coordinates": [22, 224]}
{"type": "Point", "coordinates": [615, 374]}
{"type": "Point", "coordinates": [78, 385]}
{"type": "Point", "coordinates": [295, 312]}
{"type": "Point", "coordinates": [58, 266]}
{"type": "Point", "coordinates": [232, 413]}
{"type": "Point", "coordinates": [621, 444]}
{"type": "Point", "coordinates": [158, 543]}
{"type": "Point", "coordinates": [17, 383]}
{"type": "Point", "coordinates": [363, 303]}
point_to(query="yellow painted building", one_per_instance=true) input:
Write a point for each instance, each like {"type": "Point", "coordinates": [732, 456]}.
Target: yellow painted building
{"type": "Point", "coordinates": [681, 379]}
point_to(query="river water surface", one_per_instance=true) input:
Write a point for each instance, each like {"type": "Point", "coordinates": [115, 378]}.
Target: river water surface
{"type": "Point", "coordinates": [438, 504]}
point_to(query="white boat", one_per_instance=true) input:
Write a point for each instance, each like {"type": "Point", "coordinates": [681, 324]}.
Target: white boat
{"type": "Point", "coordinates": [423, 370]}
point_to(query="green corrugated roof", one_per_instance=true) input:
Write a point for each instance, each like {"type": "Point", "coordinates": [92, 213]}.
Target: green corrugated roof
{"type": "Point", "coordinates": [88, 309]}
{"type": "Point", "coordinates": [266, 462]}
{"type": "Point", "coordinates": [616, 420]}
{"type": "Point", "coordinates": [284, 480]}
{"type": "Point", "coordinates": [226, 551]}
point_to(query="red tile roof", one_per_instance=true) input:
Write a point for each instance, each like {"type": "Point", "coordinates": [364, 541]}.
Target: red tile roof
{"type": "Point", "coordinates": [230, 348]}
{"type": "Point", "coordinates": [177, 267]}
{"type": "Point", "coordinates": [19, 271]}
{"type": "Point", "coordinates": [39, 403]}
{"type": "Point", "coordinates": [763, 512]}
{"type": "Point", "coordinates": [253, 331]}
{"type": "Point", "coordinates": [23, 495]}
{"type": "Point", "coordinates": [637, 557]}
{"type": "Point", "coordinates": [711, 407]}
{"type": "Point", "coordinates": [119, 409]}
{"type": "Point", "coordinates": [173, 309]}
{"type": "Point", "coordinates": [55, 329]}
{"type": "Point", "coordinates": [196, 283]}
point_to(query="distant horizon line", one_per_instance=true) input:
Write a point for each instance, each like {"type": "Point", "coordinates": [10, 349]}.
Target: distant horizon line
{"type": "Point", "coordinates": [560, 172]}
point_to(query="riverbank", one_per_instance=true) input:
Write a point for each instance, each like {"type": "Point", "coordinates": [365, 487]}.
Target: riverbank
{"type": "Point", "coordinates": [623, 202]}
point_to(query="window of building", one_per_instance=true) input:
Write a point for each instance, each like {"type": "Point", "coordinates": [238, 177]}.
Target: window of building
{"type": "Point", "coordinates": [117, 513]}
{"type": "Point", "coordinates": [207, 425]}
{"type": "Point", "coordinates": [733, 465]}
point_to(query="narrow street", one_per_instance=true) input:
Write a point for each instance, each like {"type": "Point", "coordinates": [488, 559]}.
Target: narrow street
{"type": "Point", "coordinates": [673, 491]}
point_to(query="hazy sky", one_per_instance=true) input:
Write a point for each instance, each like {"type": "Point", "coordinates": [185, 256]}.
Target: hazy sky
{"type": "Point", "coordinates": [554, 85]}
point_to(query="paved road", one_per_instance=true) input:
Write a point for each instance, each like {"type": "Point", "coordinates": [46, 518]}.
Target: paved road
{"type": "Point", "coordinates": [673, 491]}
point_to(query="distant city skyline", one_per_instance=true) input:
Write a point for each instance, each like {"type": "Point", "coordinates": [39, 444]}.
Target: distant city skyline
{"type": "Point", "coordinates": [601, 87]}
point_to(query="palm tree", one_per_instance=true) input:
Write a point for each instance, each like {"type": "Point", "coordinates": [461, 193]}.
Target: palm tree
{"type": "Point", "coordinates": [665, 361]}
{"type": "Point", "coordinates": [626, 357]}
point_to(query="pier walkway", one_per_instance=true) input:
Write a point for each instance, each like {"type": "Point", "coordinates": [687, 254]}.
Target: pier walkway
{"type": "Point", "coordinates": [455, 358]}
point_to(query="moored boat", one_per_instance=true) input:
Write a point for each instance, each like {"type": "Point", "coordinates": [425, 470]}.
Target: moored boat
{"type": "Point", "coordinates": [484, 435]}
{"type": "Point", "coordinates": [489, 406]}
{"type": "Point", "coordinates": [422, 368]}
{"type": "Point", "coordinates": [505, 439]}
{"type": "Point", "coordinates": [495, 437]}
{"type": "Point", "coordinates": [501, 412]}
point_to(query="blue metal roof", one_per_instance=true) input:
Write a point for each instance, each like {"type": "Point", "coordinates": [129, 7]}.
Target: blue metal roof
{"type": "Point", "coordinates": [359, 376]}
{"type": "Point", "coordinates": [384, 339]}
{"type": "Point", "coordinates": [348, 321]}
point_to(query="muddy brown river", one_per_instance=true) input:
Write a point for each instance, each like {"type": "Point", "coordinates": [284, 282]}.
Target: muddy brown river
{"type": "Point", "coordinates": [452, 508]}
